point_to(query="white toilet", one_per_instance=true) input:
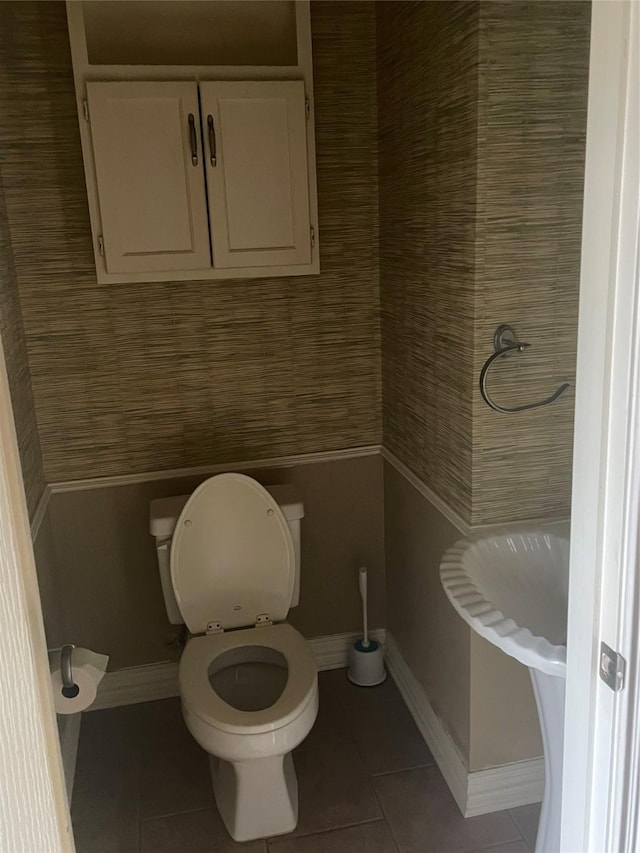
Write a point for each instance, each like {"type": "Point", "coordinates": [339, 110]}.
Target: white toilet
{"type": "Point", "coordinates": [229, 558]}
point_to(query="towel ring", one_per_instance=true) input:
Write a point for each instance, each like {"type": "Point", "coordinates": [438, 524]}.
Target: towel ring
{"type": "Point", "coordinates": [505, 342]}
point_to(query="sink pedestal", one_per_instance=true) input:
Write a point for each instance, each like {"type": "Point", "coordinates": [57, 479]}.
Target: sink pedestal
{"type": "Point", "coordinates": [549, 691]}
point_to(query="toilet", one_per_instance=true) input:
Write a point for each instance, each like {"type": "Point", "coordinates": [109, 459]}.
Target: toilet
{"type": "Point", "coordinates": [229, 561]}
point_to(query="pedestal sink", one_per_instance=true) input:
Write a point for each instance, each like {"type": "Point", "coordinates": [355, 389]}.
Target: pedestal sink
{"type": "Point", "coordinates": [511, 587]}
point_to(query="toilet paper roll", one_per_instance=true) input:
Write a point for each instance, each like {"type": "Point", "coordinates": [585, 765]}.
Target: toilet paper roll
{"type": "Point", "coordinates": [88, 669]}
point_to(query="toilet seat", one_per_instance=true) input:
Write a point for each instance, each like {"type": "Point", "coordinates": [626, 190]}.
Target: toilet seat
{"type": "Point", "coordinates": [202, 700]}
{"type": "Point", "coordinates": [232, 556]}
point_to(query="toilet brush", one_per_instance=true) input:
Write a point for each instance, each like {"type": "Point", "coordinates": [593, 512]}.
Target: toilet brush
{"type": "Point", "coordinates": [366, 666]}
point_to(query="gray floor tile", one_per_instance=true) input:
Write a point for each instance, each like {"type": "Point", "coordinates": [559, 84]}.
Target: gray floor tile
{"type": "Point", "coordinates": [192, 832]}
{"type": "Point", "coordinates": [162, 721]}
{"type": "Point", "coordinates": [106, 794]}
{"type": "Point", "coordinates": [330, 730]}
{"type": "Point", "coordinates": [334, 789]}
{"type": "Point", "coordinates": [510, 847]}
{"type": "Point", "coordinates": [174, 774]}
{"type": "Point", "coordinates": [105, 821]}
{"type": "Point", "coordinates": [424, 818]}
{"type": "Point", "coordinates": [366, 838]}
{"type": "Point", "coordinates": [336, 689]}
{"type": "Point", "coordinates": [388, 738]}
{"type": "Point", "coordinates": [109, 747]}
{"type": "Point", "coordinates": [527, 819]}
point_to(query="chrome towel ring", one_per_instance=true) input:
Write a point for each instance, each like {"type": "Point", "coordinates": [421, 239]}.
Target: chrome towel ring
{"type": "Point", "coordinates": [505, 342]}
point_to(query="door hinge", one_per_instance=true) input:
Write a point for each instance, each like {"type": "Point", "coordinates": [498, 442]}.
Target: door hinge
{"type": "Point", "coordinates": [85, 109]}
{"type": "Point", "coordinates": [101, 245]}
{"type": "Point", "coordinates": [612, 667]}
{"type": "Point", "coordinates": [307, 108]}
{"type": "Point", "coordinates": [313, 236]}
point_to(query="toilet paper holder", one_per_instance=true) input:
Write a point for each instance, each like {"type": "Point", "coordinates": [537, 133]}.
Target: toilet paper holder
{"type": "Point", "coordinates": [69, 688]}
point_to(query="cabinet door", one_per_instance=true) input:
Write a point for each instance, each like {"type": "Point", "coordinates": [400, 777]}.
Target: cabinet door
{"type": "Point", "coordinates": [150, 177]}
{"type": "Point", "coordinates": [256, 161]}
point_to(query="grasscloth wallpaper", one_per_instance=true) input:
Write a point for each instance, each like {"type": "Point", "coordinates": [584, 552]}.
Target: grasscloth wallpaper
{"type": "Point", "coordinates": [137, 378]}
{"type": "Point", "coordinates": [534, 65]}
{"type": "Point", "coordinates": [482, 111]}
{"type": "Point", "coordinates": [17, 366]}
{"type": "Point", "coordinates": [427, 107]}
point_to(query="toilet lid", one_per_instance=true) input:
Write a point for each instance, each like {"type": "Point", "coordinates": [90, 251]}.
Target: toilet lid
{"type": "Point", "coordinates": [232, 555]}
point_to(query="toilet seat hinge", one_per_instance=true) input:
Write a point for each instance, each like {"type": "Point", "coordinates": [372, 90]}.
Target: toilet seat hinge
{"type": "Point", "coordinates": [263, 619]}
{"type": "Point", "coordinates": [214, 628]}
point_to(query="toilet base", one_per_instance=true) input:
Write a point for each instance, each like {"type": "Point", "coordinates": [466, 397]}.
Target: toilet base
{"type": "Point", "coordinates": [256, 798]}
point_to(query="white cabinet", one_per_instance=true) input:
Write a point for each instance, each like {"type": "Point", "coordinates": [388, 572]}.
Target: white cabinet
{"type": "Point", "coordinates": [256, 166]}
{"type": "Point", "coordinates": [151, 190]}
{"type": "Point", "coordinates": [197, 171]}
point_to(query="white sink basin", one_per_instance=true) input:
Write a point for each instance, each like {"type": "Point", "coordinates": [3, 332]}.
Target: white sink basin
{"type": "Point", "coordinates": [511, 588]}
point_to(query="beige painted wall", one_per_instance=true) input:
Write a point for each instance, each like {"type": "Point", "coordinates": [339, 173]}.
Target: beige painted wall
{"type": "Point", "coordinates": [49, 584]}
{"type": "Point", "coordinates": [482, 697]}
{"type": "Point", "coordinates": [503, 716]}
{"type": "Point", "coordinates": [108, 571]}
{"type": "Point", "coordinates": [433, 639]}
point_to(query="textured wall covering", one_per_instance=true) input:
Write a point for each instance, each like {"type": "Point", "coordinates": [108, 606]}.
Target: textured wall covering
{"type": "Point", "coordinates": [428, 82]}
{"type": "Point", "coordinates": [15, 353]}
{"type": "Point", "coordinates": [532, 124]}
{"type": "Point", "coordinates": [482, 111]}
{"type": "Point", "coordinates": [136, 378]}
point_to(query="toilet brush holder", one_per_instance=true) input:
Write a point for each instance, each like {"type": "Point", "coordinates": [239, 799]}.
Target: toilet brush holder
{"type": "Point", "coordinates": [366, 665]}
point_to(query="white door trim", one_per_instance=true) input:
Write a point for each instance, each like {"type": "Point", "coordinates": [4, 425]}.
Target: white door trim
{"type": "Point", "coordinates": [33, 803]}
{"type": "Point", "coordinates": [601, 747]}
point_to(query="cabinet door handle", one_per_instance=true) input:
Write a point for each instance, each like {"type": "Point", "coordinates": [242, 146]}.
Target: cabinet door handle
{"type": "Point", "coordinates": [212, 140]}
{"type": "Point", "coordinates": [194, 139]}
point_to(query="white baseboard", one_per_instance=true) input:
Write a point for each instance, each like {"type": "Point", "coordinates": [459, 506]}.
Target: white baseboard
{"type": "Point", "coordinates": [481, 791]}
{"type": "Point", "coordinates": [69, 733]}
{"type": "Point", "coordinates": [505, 787]}
{"type": "Point", "coordinates": [436, 737]}
{"type": "Point", "coordinates": [331, 651]}
{"type": "Point", "coordinates": [137, 684]}
{"type": "Point", "coordinates": [160, 680]}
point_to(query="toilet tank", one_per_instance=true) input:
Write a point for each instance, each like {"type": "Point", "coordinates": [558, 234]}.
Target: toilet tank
{"type": "Point", "coordinates": [163, 516]}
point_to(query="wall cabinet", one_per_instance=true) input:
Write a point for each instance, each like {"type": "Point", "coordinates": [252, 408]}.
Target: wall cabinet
{"type": "Point", "coordinates": [200, 177]}
{"type": "Point", "coordinates": [192, 176]}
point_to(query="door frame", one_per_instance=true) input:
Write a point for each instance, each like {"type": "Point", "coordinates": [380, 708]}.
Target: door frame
{"type": "Point", "coordinates": [602, 738]}
{"type": "Point", "coordinates": [34, 812]}
{"type": "Point", "coordinates": [602, 743]}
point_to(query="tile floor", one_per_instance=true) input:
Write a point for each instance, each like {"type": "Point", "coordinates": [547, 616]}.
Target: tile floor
{"type": "Point", "coordinates": [367, 784]}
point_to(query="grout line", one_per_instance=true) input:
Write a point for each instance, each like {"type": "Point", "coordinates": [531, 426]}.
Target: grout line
{"type": "Point", "coordinates": [396, 841]}
{"type": "Point", "coordinates": [181, 812]}
{"type": "Point", "coordinates": [502, 845]}
{"type": "Point", "coordinates": [328, 831]}
{"type": "Point", "coordinates": [403, 770]}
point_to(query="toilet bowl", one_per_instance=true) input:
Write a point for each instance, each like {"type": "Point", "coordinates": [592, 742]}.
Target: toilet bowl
{"type": "Point", "coordinates": [253, 778]}
{"type": "Point", "coordinates": [248, 680]}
